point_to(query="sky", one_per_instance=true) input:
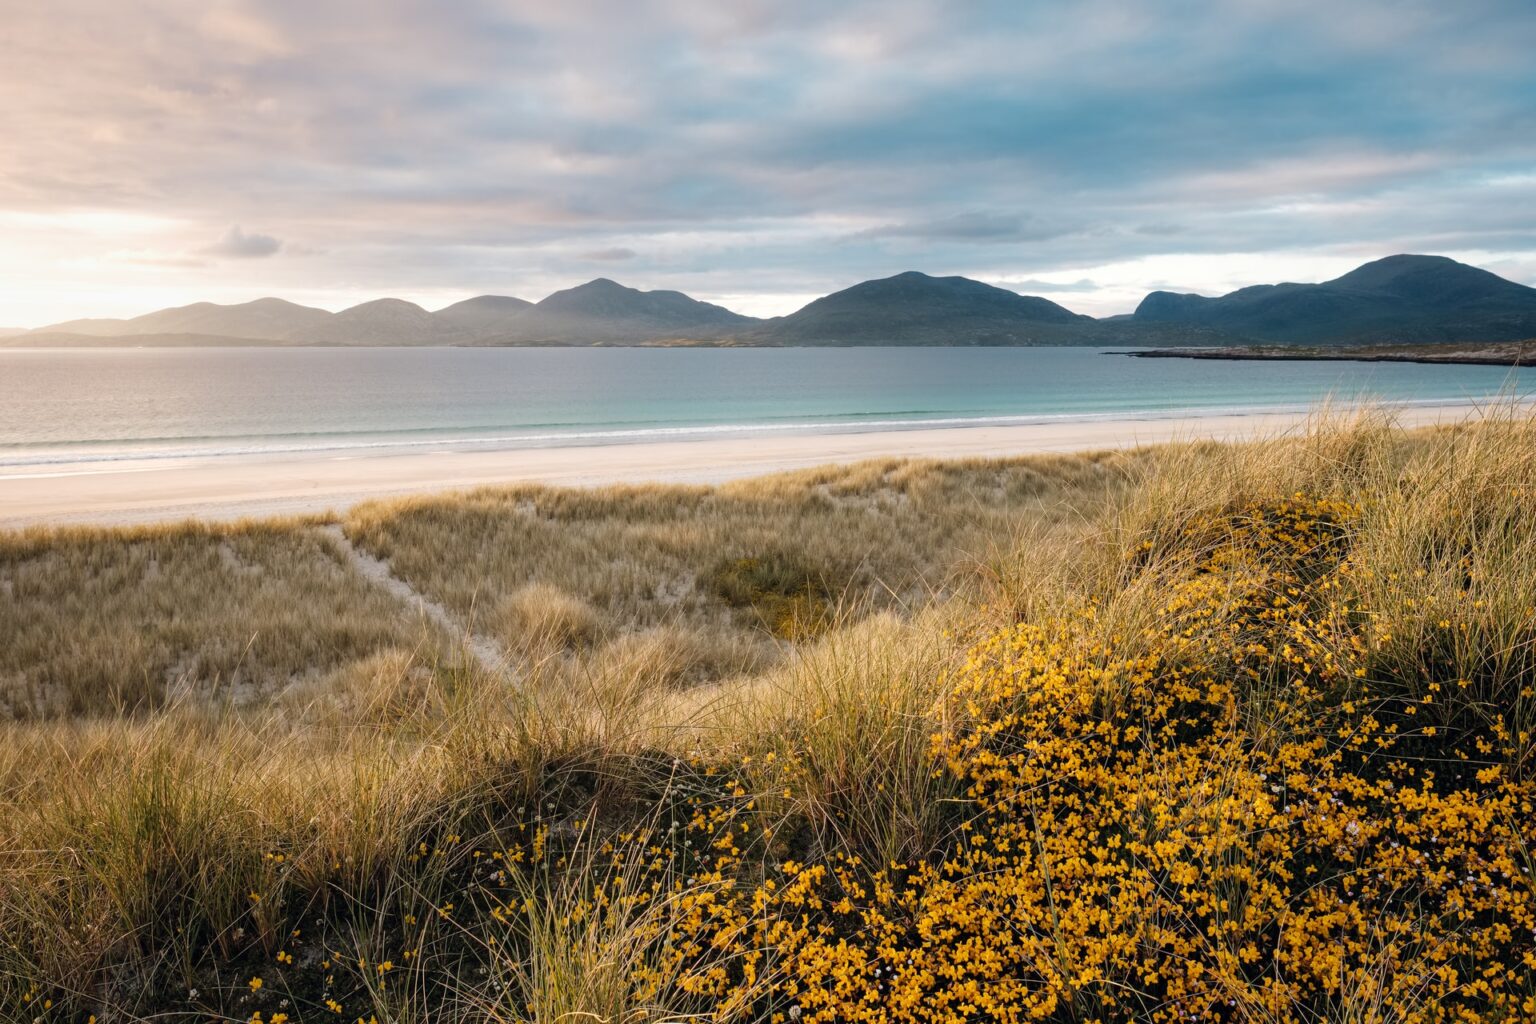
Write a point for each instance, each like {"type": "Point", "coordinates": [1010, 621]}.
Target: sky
{"type": "Point", "coordinates": [754, 153]}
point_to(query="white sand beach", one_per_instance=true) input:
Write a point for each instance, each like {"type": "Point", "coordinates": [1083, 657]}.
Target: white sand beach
{"type": "Point", "coordinates": [231, 487]}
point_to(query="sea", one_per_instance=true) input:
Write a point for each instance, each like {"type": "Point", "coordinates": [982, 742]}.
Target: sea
{"type": "Point", "coordinates": [64, 406]}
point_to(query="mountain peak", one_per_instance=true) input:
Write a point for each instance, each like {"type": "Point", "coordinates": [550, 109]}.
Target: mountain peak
{"type": "Point", "coordinates": [1402, 298]}
{"type": "Point", "coordinates": [599, 295]}
{"type": "Point", "coordinates": [917, 308]}
{"type": "Point", "coordinates": [385, 305]}
{"type": "Point", "coordinates": [1390, 268]}
{"type": "Point", "coordinates": [1424, 278]}
{"type": "Point", "coordinates": [603, 305]}
{"type": "Point", "coordinates": [269, 302]}
{"type": "Point", "coordinates": [483, 316]}
{"type": "Point", "coordinates": [379, 322]}
{"type": "Point", "coordinates": [924, 289]}
{"type": "Point", "coordinates": [488, 302]}
{"type": "Point", "coordinates": [1164, 306]}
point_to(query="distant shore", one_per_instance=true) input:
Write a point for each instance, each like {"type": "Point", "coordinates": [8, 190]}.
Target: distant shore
{"type": "Point", "coordinates": [1505, 353]}
{"type": "Point", "coordinates": [127, 492]}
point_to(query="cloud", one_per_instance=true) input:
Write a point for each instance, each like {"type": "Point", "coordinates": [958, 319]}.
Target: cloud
{"type": "Point", "coordinates": [773, 148]}
{"type": "Point", "coordinates": [170, 260]}
{"type": "Point", "coordinates": [613, 254]}
{"type": "Point", "coordinates": [1034, 285]}
{"type": "Point", "coordinates": [244, 34]}
{"type": "Point", "coordinates": [237, 245]}
{"type": "Point", "coordinates": [971, 227]}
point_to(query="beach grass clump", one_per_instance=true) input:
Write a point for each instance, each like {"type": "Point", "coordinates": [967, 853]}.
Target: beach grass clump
{"type": "Point", "coordinates": [104, 621]}
{"type": "Point", "coordinates": [1227, 733]}
{"type": "Point", "coordinates": [792, 600]}
{"type": "Point", "coordinates": [540, 617]}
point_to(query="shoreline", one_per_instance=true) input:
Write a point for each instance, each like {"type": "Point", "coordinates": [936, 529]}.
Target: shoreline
{"type": "Point", "coordinates": [132, 492]}
{"type": "Point", "coordinates": [1511, 354]}
{"type": "Point", "coordinates": [59, 462]}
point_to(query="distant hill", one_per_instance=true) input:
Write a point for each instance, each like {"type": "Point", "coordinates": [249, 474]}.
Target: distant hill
{"type": "Point", "coordinates": [916, 309]}
{"type": "Point", "coordinates": [264, 319]}
{"type": "Point", "coordinates": [606, 311]}
{"type": "Point", "coordinates": [483, 315]}
{"type": "Point", "coordinates": [1405, 299]}
{"type": "Point", "coordinates": [1398, 300]}
{"type": "Point", "coordinates": [600, 311]}
{"type": "Point", "coordinates": [380, 322]}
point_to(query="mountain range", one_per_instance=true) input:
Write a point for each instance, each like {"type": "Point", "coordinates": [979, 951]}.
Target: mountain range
{"type": "Point", "coordinates": [1403, 299]}
{"type": "Point", "coordinates": [1396, 299]}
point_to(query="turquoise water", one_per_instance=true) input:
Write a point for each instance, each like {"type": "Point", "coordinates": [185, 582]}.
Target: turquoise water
{"type": "Point", "coordinates": [75, 405]}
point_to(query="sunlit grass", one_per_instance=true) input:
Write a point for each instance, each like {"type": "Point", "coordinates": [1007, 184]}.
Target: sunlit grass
{"type": "Point", "coordinates": [1202, 732]}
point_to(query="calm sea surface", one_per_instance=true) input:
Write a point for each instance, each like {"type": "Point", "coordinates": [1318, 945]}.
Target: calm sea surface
{"type": "Point", "coordinates": [73, 405]}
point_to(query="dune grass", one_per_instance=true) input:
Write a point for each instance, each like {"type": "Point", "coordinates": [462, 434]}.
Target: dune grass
{"type": "Point", "coordinates": [705, 583]}
{"type": "Point", "coordinates": [1203, 732]}
{"type": "Point", "coordinates": [713, 578]}
{"type": "Point", "coordinates": [109, 621]}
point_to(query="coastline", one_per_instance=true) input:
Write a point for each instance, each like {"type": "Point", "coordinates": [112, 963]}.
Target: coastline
{"type": "Point", "coordinates": [131, 492]}
{"type": "Point", "coordinates": [1504, 353]}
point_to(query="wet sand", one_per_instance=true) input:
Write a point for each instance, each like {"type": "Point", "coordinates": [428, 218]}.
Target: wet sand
{"type": "Point", "coordinates": [154, 490]}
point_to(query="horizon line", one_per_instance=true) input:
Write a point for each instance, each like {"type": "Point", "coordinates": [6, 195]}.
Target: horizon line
{"type": "Point", "coordinates": [604, 278]}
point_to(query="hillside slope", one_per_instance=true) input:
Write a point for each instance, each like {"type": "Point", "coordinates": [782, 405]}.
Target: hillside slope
{"type": "Point", "coordinates": [913, 308]}
{"type": "Point", "coordinates": [604, 311]}
{"type": "Point", "coordinates": [1406, 299]}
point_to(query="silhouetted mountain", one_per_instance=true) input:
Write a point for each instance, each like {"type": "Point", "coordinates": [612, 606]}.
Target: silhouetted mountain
{"type": "Point", "coordinates": [916, 309]}
{"type": "Point", "coordinates": [600, 311]}
{"type": "Point", "coordinates": [264, 320]}
{"type": "Point", "coordinates": [1400, 299]}
{"type": "Point", "coordinates": [609, 300]}
{"type": "Point", "coordinates": [606, 311]}
{"type": "Point", "coordinates": [101, 327]}
{"type": "Point", "coordinates": [1396, 299]}
{"type": "Point", "coordinates": [380, 322]}
{"type": "Point", "coordinates": [482, 315]}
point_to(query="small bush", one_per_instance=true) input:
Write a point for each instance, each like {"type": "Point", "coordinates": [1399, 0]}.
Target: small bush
{"type": "Point", "coordinates": [792, 600]}
{"type": "Point", "coordinates": [540, 617]}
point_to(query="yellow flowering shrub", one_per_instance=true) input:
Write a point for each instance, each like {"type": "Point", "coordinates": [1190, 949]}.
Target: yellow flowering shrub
{"type": "Point", "coordinates": [1225, 824]}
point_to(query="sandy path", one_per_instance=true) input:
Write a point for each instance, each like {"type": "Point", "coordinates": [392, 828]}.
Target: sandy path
{"type": "Point", "coordinates": [230, 488]}
{"type": "Point", "coordinates": [377, 572]}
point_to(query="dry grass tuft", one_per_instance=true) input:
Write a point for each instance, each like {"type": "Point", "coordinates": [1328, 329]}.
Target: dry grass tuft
{"type": "Point", "coordinates": [540, 618]}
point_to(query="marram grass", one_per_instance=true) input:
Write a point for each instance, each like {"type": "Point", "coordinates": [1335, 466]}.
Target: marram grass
{"type": "Point", "coordinates": [1244, 735]}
